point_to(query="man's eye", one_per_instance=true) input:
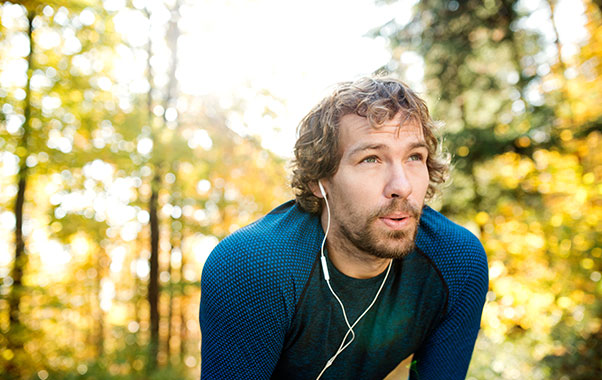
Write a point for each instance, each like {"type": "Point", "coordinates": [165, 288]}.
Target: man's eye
{"type": "Point", "coordinates": [416, 157]}
{"type": "Point", "coordinates": [370, 160]}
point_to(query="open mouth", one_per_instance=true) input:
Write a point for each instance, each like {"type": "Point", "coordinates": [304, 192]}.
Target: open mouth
{"type": "Point", "coordinates": [395, 221]}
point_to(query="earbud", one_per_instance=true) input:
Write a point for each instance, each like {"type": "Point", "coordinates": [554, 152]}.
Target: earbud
{"type": "Point", "coordinates": [322, 189]}
{"type": "Point", "coordinates": [322, 257]}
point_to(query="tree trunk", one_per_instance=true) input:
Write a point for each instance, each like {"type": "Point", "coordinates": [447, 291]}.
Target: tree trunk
{"type": "Point", "coordinates": [561, 64]}
{"type": "Point", "coordinates": [173, 32]}
{"type": "Point", "coordinates": [169, 318]}
{"type": "Point", "coordinates": [170, 302]}
{"type": "Point", "coordinates": [183, 321]}
{"type": "Point", "coordinates": [172, 35]}
{"type": "Point", "coordinates": [100, 316]}
{"type": "Point", "coordinates": [175, 278]}
{"type": "Point", "coordinates": [20, 261]}
{"type": "Point", "coordinates": [175, 242]}
{"type": "Point", "coordinates": [153, 281]}
{"type": "Point", "coordinates": [16, 334]}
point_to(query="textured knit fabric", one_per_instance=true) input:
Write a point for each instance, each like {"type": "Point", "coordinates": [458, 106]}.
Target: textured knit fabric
{"type": "Point", "coordinates": [262, 286]}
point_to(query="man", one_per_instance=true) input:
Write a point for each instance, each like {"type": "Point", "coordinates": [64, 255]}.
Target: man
{"type": "Point", "coordinates": [357, 273]}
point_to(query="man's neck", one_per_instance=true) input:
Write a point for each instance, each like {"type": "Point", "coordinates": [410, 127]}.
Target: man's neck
{"type": "Point", "coordinates": [358, 267]}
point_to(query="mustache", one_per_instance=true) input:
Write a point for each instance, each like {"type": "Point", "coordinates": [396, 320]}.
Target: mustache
{"type": "Point", "coordinates": [397, 205]}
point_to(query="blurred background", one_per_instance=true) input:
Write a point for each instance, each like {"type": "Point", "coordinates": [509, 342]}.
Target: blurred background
{"type": "Point", "coordinates": [134, 135]}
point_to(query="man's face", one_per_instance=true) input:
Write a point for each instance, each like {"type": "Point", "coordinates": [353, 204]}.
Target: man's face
{"type": "Point", "coordinates": [377, 193]}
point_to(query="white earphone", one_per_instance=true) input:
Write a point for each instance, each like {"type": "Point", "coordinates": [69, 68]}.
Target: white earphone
{"type": "Point", "coordinates": [322, 257]}
{"type": "Point", "coordinates": [343, 345]}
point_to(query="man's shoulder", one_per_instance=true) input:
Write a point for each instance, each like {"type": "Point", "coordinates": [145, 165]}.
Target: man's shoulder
{"type": "Point", "coordinates": [253, 278]}
{"type": "Point", "coordinates": [439, 235]}
{"type": "Point", "coordinates": [285, 238]}
{"type": "Point", "coordinates": [285, 225]}
{"type": "Point", "coordinates": [456, 252]}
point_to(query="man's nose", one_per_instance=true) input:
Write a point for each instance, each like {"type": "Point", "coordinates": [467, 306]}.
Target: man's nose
{"type": "Point", "coordinates": [398, 184]}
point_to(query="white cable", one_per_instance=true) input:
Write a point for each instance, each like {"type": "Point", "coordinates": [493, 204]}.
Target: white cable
{"type": "Point", "coordinates": [323, 259]}
{"type": "Point", "coordinates": [343, 345]}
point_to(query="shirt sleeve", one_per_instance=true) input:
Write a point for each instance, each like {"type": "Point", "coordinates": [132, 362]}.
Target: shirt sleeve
{"type": "Point", "coordinates": [244, 314]}
{"type": "Point", "coordinates": [447, 352]}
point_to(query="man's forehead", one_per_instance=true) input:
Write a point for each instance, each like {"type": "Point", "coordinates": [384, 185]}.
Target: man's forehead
{"type": "Point", "coordinates": [401, 124]}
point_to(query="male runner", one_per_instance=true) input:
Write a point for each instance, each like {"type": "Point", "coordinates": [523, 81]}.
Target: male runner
{"type": "Point", "coordinates": [356, 273]}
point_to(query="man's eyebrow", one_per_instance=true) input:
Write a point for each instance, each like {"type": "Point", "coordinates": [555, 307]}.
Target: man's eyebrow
{"type": "Point", "coordinates": [418, 144]}
{"type": "Point", "coordinates": [364, 147]}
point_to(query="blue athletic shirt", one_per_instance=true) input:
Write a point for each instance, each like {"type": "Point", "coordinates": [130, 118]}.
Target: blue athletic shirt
{"type": "Point", "coordinates": [267, 313]}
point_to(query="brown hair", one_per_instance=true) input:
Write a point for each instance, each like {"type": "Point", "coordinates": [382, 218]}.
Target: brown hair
{"type": "Point", "coordinates": [317, 153]}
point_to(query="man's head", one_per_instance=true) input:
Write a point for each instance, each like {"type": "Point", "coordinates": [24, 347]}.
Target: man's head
{"type": "Point", "coordinates": [372, 145]}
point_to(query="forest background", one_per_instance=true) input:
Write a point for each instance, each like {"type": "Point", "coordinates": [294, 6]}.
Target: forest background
{"type": "Point", "coordinates": [113, 190]}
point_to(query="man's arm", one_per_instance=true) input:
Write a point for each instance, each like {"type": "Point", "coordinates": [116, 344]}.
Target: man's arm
{"type": "Point", "coordinates": [243, 315]}
{"type": "Point", "coordinates": [447, 353]}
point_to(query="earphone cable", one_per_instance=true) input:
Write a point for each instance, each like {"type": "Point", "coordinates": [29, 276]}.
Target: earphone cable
{"type": "Point", "coordinates": [343, 345]}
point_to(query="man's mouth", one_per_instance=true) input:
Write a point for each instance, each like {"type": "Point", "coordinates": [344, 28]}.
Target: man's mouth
{"type": "Point", "coordinates": [398, 215]}
{"type": "Point", "coordinates": [396, 221]}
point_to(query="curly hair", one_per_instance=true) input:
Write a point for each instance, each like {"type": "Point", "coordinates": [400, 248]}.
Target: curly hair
{"type": "Point", "coordinates": [379, 99]}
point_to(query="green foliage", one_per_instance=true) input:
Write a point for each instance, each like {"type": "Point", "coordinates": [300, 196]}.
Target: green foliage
{"type": "Point", "coordinates": [126, 364]}
{"type": "Point", "coordinates": [582, 359]}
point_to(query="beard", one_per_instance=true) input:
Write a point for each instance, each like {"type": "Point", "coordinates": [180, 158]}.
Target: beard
{"type": "Point", "coordinates": [382, 244]}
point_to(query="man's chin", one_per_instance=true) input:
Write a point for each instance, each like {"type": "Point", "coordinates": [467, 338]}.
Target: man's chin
{"type": "Point", "coordinates": [395, 244]}
{"type": "Point", "coordinates": [381, 242]}
{"type": "Point", "coordinates": [393, 251]}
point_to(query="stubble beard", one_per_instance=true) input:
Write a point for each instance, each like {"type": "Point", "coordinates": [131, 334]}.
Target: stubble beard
{"type": "Point", "coordinates": [382, 244]}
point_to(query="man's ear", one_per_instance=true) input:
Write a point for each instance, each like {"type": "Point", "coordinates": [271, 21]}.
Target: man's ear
{"type": "Point", "coordinates": [315, 188]}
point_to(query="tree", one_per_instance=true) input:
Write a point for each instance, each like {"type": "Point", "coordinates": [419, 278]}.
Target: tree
{"type": "Point", "coordinates": [44, 119]}
{"type": "Point", "coordinates": [16, 334]}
